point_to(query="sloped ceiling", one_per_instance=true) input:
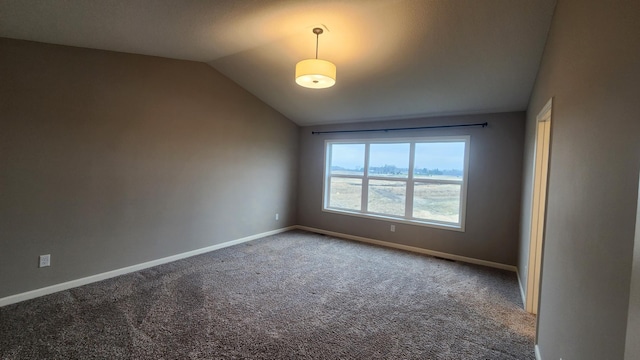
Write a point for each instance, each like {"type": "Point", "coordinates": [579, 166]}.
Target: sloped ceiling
{"type": "Point", "coordinates": [396, 59]}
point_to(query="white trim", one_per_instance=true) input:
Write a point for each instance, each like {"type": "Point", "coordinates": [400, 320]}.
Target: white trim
{"type": "Point", "coordinates": [542, 115]}
{"type": "Point", "coordinates": [113, 273]}
{"type": "Point", "coordinates": [410, 180]}
{"type": "Point", "coordinates": [537, 350]}
{"type": "Point", "coordinates": [538, 205]}
{"type": "Point", "coordinates": [522, 293]}
{"type": "Point", "coordinates": [375, 216]}
{"type": "Point", "coordinates": [12, 299]}
{"type": "Point", "coordinates": [412, 249]}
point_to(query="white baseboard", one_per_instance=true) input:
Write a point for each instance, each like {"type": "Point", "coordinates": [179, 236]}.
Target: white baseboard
{"type": "Point", "coordinates": [113, 273]}
{"type": "Point", "coordinates": [538, 356]}
{"type": "Point", "coordinates": [413, 249]}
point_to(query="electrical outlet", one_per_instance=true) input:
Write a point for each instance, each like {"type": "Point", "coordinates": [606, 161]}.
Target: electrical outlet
{"type": "Point", "coordinates": [393, 228]}
{"type": "Point", "coordinates": [45, 260]}
{"type": "Point", "coordinates": [277, 216]}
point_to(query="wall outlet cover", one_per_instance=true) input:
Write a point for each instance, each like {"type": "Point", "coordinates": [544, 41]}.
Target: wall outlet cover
{"type": "Point", "coordinates": [45, 260]}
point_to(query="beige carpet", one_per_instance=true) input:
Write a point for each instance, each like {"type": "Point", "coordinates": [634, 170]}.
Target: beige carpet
{"type": "Point", "coordinates": [295, 295]}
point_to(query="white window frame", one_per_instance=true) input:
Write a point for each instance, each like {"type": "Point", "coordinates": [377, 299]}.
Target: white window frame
{"type": "Point", "coordinates": [410, 180]}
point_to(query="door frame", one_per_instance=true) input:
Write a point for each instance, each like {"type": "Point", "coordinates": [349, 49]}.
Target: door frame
{"type": "Point", "coordinates": [538, 205]}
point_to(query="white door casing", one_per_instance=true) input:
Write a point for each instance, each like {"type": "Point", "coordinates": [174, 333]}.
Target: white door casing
{"type": "Point", "coordinates": [538, 206]}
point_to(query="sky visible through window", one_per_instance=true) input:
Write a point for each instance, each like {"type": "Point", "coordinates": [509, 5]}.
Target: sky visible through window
{"type": "Point", "coordinates": [436, 155]}
{"type": "Point", "coordinates": [441, 155]}
{"type": "Point", "coordinates": [389, 154]}
{"type": "Point", "coordinates": [348, 156]}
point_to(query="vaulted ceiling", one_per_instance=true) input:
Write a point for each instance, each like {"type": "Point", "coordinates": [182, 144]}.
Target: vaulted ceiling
{"type": "Point", "coordinates": [396, 59]}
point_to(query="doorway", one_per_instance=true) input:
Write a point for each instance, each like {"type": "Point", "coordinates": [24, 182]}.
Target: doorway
{"type": "Point", "coordinates": [538, 206]}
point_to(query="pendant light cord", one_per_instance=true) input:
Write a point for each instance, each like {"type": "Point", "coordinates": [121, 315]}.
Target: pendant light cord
{"type": "Point", "coordinates": [317, 31]}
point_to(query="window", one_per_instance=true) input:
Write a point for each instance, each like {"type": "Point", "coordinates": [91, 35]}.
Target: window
{"type": "Point", "coordinates": [420, 181]}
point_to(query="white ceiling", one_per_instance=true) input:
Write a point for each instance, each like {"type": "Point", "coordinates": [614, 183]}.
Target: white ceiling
{"type": "Point", "coordinates": [396, 58]}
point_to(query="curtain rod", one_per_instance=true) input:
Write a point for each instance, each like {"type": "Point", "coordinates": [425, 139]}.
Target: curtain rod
{"type": "Point", "coordinates": [484, 124]}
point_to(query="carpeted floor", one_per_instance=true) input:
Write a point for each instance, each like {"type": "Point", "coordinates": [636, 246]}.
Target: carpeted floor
{"type": "Point", "coordinates": [295, 295]}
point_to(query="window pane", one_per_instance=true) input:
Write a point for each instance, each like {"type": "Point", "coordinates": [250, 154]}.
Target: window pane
{"type": "Point", "coordinates": [345, 193]}
{"type": "Point", "coordinates": [439, 160]}
{"type": "Point", "coordinates": [439, 202]}
{"type": "Point", "coordinates": [347, 159]}
{"type": "Point", "coordinates": [389, 160]}
{"type": "Point", "coordinates": [387, 197]}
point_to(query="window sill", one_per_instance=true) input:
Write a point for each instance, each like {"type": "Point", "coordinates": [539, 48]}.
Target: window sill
{"type": "Point", "coordinates": [436, 225]}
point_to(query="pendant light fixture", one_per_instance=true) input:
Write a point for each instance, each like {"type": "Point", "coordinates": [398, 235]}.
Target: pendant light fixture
{"type": "Point", "coordinates": [316, 73]}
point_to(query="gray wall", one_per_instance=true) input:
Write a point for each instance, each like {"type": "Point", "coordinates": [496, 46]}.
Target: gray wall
{"type": "Point", "coordinates": [590, 68]}
{"type": "Point", "coordinates": [632, 350]}
{"type": "Point", "coordinates": [112, 159]}
{"type": "Point", "coordinates": [493, 202]}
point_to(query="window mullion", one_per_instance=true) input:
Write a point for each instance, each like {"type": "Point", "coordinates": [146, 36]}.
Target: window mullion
{"type": "Point", "coordinates": [408, 209]}
{"type": "Point", "coordinates": [365, 181]}
{"type": "Point", "coordinates": [327, 175]}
